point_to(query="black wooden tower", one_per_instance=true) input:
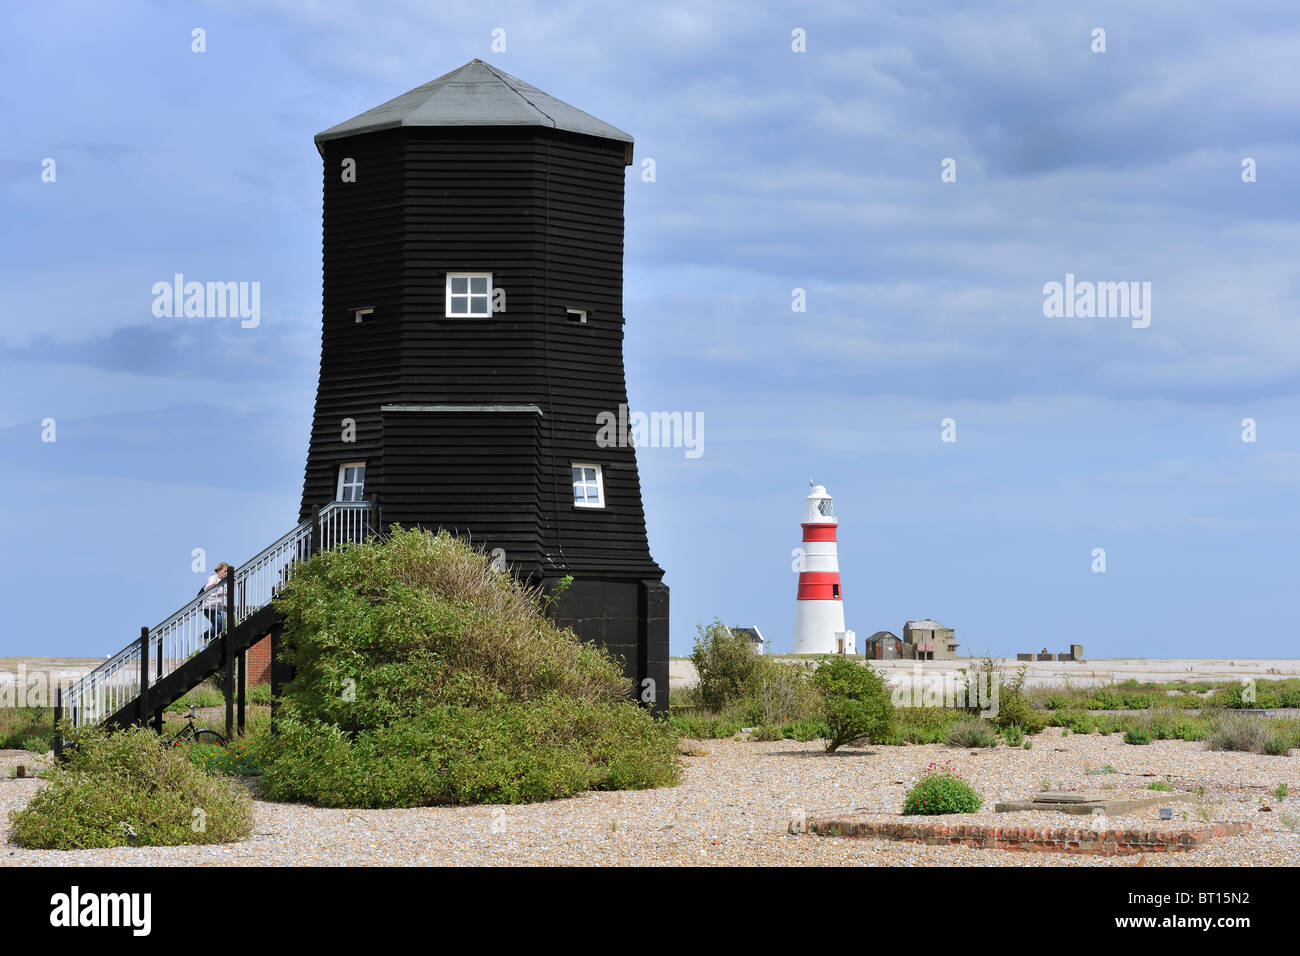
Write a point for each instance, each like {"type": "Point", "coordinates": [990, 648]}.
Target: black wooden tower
{"type": "Point", "coordinates": [472, 335]}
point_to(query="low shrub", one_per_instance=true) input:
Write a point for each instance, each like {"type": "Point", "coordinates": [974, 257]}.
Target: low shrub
{"type": "Point", "coordinates": [1277, 746]}
{"type": "Point", "coordinates": [939, 791]}
{"type": "Point", "coordinates": [36, 745]}
{"type": "Point", "coordinates": [856, 702]}
{"type": "Point", "coordinates": [1239, 732]}
{"type": "Point", "coordinates": [1013, 735]}
{"type": "Point", "coordinates": [423, 675]}
{"type": "Point", "coordinates": [1161, 785]}
{"type": "Point", "coordinates": [1137, 736]}
{"type": "Point", "coordinates": [130, 789]}
{"type": "Point", "coordinates": [971, 732]}
{"type": "Point", "coordinates": [767, 732]}
{"type": "Point", "coordinates": [518, 752]}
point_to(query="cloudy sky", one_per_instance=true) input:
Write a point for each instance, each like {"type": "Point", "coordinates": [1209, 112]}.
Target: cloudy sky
{"type": "Point", "coordinates": [776, 170]}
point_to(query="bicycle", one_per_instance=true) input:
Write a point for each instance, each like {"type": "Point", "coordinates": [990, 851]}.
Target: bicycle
{"type": "Point", "coordinates": [195, 734]}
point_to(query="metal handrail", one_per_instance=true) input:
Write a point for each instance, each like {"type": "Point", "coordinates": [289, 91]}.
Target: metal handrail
{"type": "Point", "coordinates": [184, 633]}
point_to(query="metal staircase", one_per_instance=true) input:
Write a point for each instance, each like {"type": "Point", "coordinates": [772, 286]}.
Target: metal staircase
{"type": "Point", "coordinates": [166, 661]}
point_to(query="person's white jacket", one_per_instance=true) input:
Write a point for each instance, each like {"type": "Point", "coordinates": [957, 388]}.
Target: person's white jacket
{"type": "Point", "coordinates": [214, 594]}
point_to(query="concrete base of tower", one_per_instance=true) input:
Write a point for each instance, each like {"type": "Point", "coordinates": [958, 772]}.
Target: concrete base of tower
{"type": "Point", "coordinates": [816, 624]}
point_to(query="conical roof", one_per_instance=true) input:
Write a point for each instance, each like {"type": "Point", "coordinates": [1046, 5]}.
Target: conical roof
{"type": "Point", "coordinates": [476, 94]}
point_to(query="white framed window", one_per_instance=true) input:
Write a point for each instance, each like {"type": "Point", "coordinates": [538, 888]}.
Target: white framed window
{"type": "Point", "coordinates": [588, 486]}
{"type": "Point", "coordinates": [577, 315]}
{"type": "Point", "coordinates": [469, 295]}
{"type": "Point", "coordinates": [352, 481]}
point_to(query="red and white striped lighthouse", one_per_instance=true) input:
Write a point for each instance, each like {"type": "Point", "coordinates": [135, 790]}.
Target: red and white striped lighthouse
{"type": "Point", "coordinates": [819, 608]}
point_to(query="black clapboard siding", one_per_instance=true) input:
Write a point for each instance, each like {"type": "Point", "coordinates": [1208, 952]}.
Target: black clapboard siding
{"type": "Point", "coordinates": [542, 210]}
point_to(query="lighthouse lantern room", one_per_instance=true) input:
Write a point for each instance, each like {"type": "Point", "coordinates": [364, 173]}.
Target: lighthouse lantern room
{"type": "Point", "coordinates": [819, 606]}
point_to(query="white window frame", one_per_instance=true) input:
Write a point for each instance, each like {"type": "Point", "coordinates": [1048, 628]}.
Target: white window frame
{"type": "Point", "coordinates": [577, 316]}
{"type": "Point", "coordinates": [586, 484]}
{"type": "Point", "coordinates": [470, 296]}
{"type": "Point", "coordinates": [343, 470]}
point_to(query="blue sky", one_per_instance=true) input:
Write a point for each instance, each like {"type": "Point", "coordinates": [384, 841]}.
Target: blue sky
{"type": "Point", "coordinates": [775, 170]}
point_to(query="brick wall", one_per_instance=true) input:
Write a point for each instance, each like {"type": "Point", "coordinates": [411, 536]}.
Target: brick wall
{"type": "Point", "coordinates": [1031, 839]}
{"type": "Point", "coordinates": [259, 662]}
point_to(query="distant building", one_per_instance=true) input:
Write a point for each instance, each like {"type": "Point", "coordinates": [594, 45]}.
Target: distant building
{"type": "Point", "coordinates": [929, 640]}
{"type": "Point", "coordinates": [883, 646]}
{"type": "Point", "coordinates": [754, 636]}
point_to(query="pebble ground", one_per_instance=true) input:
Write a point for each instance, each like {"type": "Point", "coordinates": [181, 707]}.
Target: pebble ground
{"type": "Point", "coordinates": [736, 801]}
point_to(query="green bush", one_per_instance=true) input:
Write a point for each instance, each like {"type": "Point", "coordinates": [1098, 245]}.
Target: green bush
{"type": "Point", "coordinates": [1277, 746]}
{"type": "Point", "coordinates": [856, 701]}
{"type": "Point", "coordinates": [767, 732]}
{"type": "Point", "coordinates": [36, 745]}
{"type": "Point", "coordinates": [726, 664]}
{"type": "Point", "coordinates": [971, 732]}
{"type": "Point", "coordinates": [423, 676]}
{"type": "Point", "coordinates": [733, 678]}
{"type": "Point", "coordinates": [130, 789]}
{"type": "Point", "coordinates": [1013, 735]}
{"type": "Point", "coordinates": [1014, 708]}
{"type": "Point", "coordinates": [940, 791]}
{"type": "Point", "coordinates": [1137, 736]}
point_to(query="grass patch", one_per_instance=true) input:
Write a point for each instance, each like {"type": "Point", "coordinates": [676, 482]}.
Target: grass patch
{"type": "Point", "coordinates": [26, 728]}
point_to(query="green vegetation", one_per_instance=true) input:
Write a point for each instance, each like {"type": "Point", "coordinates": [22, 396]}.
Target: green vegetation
{"type": "Point", "coordinates": [939, 791]}
{"type": "Point", "coordinates": [856, 701]}
{"type": "Point", "coordinates": [1280, 791]}
{"type": "Point", "coordinates": [26, 728]}
{"type": "Point", "coordinates": [1162, 785]}
{"type": "Point", "coordinates": [1014, 735]}
{"type": "Point", "coordinates": [1144, 711]}
{"type": "Point", "coordinates": [1249, 733]}
{"type": "Point", "coordinates": [971, 732]}
{"type": "Point", "coordinates": [423, 676]}
{"type": "Point", "coordinates": [130, 789]}
{"type": "Point", "coordinates": [234, 759]}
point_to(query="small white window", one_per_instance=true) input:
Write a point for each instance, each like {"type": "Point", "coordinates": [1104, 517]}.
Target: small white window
{"type": "Point", "coordinates": [577, 315]}
{"type": "Point", "coordinates": [469, 295]}
{"type": "Point", "coordinates": [588, 486]}
{"type": "Point", "coordinates": [352, 481]}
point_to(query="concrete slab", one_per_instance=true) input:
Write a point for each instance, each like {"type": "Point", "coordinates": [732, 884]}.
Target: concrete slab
{"type": "Point", "coordinates": [1111, 806]}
